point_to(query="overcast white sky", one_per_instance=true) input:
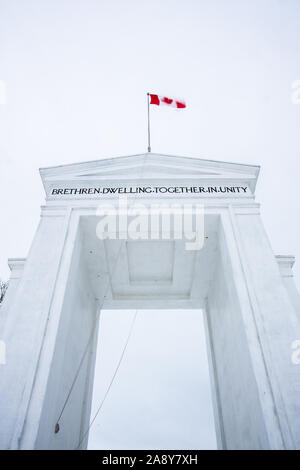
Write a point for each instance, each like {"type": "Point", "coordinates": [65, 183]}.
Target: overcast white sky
{"type": "Point", "coordinates": [161, 397]}
{"type": "Point", "coordinates": [77, 73]}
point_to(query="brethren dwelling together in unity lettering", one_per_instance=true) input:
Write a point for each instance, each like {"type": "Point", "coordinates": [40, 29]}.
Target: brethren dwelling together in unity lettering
{"type": "Point", "coordinates": [150, 190]}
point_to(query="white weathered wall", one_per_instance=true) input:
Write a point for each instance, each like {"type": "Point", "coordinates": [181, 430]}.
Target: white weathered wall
{"type": "Point", "coordinates": [241, 419]}
{"type": "Point", "coordinates": [77, 323]}
{"type": "Point", "coordinates": [276, 321]}
{"type": "Point", "coordinates": [22, 326]}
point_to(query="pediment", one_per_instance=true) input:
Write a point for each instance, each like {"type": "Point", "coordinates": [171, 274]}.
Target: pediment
{"type": "Point", "coordinates": [153, 169]}
{"type": "Point", "coordinates": [150, 166]}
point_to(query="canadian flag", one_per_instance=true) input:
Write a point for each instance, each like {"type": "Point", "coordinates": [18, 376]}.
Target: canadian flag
{"type": "Point", "coordinates": [158, 100]}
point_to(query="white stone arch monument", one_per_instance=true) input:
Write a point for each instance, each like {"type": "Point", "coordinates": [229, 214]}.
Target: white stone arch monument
{"type": "Point", "coordinates": [54, 296]}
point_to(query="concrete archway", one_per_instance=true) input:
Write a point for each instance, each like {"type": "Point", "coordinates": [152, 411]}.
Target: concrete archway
{"type": "Point", "coordinates": [54, 298]}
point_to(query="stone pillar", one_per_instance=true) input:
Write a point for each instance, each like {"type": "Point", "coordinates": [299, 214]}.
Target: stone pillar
{"type": "Point", "coordinates": [234, 351]}
{"type": "Point", "coordinates": [24, 322]}
{"type": "Point", "coordinates": [277, 326]}
{"type": "Point", "coordinates": [252, 325]}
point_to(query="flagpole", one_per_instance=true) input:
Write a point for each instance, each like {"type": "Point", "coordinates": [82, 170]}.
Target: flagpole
{"type": "Point", "coordinates": [148, 103]}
